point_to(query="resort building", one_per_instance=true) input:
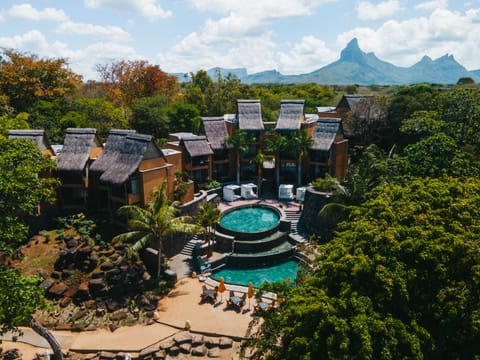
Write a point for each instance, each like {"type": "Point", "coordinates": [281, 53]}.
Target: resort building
{"type": "Point", "coordinates": [80, 148]}
{"type": "Point", "coordinates": [37, 136]}
{"type": "Point", "coordinates": [216, 130]}
{"type": "Point", "coordinates": [130, 167]}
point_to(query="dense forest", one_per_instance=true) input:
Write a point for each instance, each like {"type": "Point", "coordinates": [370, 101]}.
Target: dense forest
{"type": "Point", "coordinates": [398, 275]}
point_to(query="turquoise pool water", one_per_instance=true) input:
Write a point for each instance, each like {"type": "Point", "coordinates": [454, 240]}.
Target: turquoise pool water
{"type": "Point", "coordinates": [258, 275]}
{"type": "Point", "coordinates": [250, 219]}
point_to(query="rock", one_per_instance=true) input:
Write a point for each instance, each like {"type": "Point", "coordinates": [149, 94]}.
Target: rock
{"type": "Point", "coordinates": [100, 312]}
{"type": "Point", "coordinates": [166, 345]}
{"type": "Point", "coordinates": [77, 327]}
{"type": "Point", "coordinates": [97, 274]}
{"type": "Point", "coordinates": [211, 342]}
{"type": "Point", "coordinates": [42, 273]}
{"type": "Point", "coordinates": [147, 352]}
{"type": "Point", "coordinates": [94, 260]}
{"type": "Point", "coordinates": [119, 315]}
{"type": "Point", "coordinates": [213, 353]}
{"type": "Point", "coordinates": [107, 265]}
{"type": "Point", "coordinates": [12, 354]}
{"type": "Point", "coordinates": [113, 327]}
{"type": "Point", "coordinates": [46, 284]}
{"type": "Point", "coordinates": [225, 343]}
{"type": "Point", "coordinates": [198, 340]}
{"type": "Point", "coordinates": [150, 322]}
{"type": "Point", "coordinates": [160, 355]}
{"type": "Point", "coordinates": [65, 302]}
{"type": "Point", "coordinates": [89, 304]}
{"type": "Point", "coordinates": [106, 355]}
{"type": "Point", "coordinates": [174, 351]}
{"type": "Point", "coordinates": [82, 292]}
{"type": "Point", "coordinates": [182, 338]}
{"type": "Point", "coordinates": [57, 289]}
{"type": "Point", "coordinates": [72, 243]}
{"type": "Point", "coordinates": [66, 273]}
{"type": "Point", "coordinates": [112, 305]}
{"type": "Point", "coordinates": [56, 275]}
{"type": "Point", "coordinates": [79, 314]}
{"type": "Point", "coordinates": [185, 348]}
{"type": "Point", "coordinates": [200, 350]}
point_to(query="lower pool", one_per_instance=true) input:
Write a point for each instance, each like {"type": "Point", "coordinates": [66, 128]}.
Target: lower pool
{"type": "Point", "coordinates": [267, 273]}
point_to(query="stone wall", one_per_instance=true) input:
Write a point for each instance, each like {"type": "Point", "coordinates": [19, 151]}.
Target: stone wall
{"type": "Point", "coordinates": [314, 201]}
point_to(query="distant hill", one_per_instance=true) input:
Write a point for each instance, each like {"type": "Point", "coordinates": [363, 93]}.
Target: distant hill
{"type": "Point", "coordinates": [358, 67]}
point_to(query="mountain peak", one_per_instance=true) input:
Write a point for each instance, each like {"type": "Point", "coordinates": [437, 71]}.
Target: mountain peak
{"type": "Point", "coordinates": [352, 51]}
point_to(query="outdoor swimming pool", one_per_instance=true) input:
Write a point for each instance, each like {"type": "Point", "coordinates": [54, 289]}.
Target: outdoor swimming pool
{"type": "Point", "coordinates": [267, 273]}
{"type": "Point", "coordinates": [250, 219]}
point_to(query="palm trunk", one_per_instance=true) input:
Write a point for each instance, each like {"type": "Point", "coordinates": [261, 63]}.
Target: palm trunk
{"type": "Point", "coordinates": [277, 169]}
{"type": "Point", "coordinates": [299, 171]}
{"type": "Point", "coordinates": [238, 168]}
{"type": "Point", "coordinates": [47, 335]}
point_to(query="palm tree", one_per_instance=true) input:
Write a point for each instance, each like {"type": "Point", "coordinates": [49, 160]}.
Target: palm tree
{"type": "Point", "coordinates": [300, 142]}
{"type": "Point", "coordinates": [277, 144]}
{"type": "Point", "coordinates": [259, 160]}
{"type": "Point", "coordinates": [239, 142]}
{"type": "Point", "coordinates": [208, 216]}
{"type": "Point", "coordinates": [153, 224]}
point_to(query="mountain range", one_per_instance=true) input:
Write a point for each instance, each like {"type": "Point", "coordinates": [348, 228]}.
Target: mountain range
{"type": "Point", "coordinates": [358, 67]}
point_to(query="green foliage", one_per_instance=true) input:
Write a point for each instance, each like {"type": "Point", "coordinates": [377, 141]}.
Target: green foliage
{"type": "Point", "coordinates": [151, 225]}
{"type": "Point", "coordinates": [21, 188]}
{"type": "Point", "coordinates": [437, 155]}
{"type": "Point", "coordinates": [184, 118]}
{"type": "Point", "coordinates": [149, 116]}
{"type": "Point", "coordinates": [399, 281]}
{"type": "Point", "coordinates": [20, 297]}
{"type": "Point", "coordinates": [208, 216]}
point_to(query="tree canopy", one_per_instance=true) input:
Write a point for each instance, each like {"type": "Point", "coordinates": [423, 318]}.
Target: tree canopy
{"type": "Point", "coordinates": [400, 280]}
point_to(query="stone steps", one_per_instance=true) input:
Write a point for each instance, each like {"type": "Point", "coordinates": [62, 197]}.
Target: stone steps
{"type": "Point", "coordinates": [190, 246]}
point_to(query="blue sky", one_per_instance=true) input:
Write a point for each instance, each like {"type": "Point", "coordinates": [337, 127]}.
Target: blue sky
{"type": "Point", "coordinates": [291, 36]}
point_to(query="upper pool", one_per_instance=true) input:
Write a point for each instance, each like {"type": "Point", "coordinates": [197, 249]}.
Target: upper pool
{"type": "Point", "coordinates": [252, 219]}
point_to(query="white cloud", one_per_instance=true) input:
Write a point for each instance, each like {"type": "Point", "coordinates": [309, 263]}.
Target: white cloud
{"type": "Point", "coordinates": [28, 12]}
{"type": "Point", "coordinates": [432, 5]}
{"type": "Point", "coordinates": [369, 11]}
{"type": "Point", "coordinates": [308, 55]}
{"type": "Point", "coordinates": [405, 42]}
{"type": "Point", "coordinates": [113, 32]}
{"type": "Point", "coordinates": [150, 9]}
{"type": "Point", "coordinates": [33, 41]}
{"type": "Point", "coordinates": [261, 9]}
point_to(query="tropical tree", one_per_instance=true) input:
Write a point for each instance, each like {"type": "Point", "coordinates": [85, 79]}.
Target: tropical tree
{"type": "Point", "coordinates": [21, 188]}
{"type": "Point", "coordinates": [300, 142]}
{"type": "Point", "coordinates": [150, 226]}
{"type": "Point", "coordinates": [276, 144]}
{"type": "Point", "coordinates": [26, 79]}
{"type": "Point", "coordinates": [400, 280]}
{"type": "Point", "coordinates": [208, 216]}
{"type": "Point", "coordinates": [259, 159]}
{"type": "Point", "coordinates": [239, 142]}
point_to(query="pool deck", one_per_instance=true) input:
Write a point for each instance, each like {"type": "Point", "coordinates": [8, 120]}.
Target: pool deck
{"type": "Point", "coordinates": [280, 205]}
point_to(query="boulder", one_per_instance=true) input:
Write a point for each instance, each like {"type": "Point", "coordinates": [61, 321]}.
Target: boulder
{"type": "Point", "coordinates": [185, 348]}
{"type": "Point", "coordinates": [166, 345]}
{"type": "Point", "coordinates": [77, 327]}
{"type": "Point", "coordinates": [56, 275]}
{"type": "Point", "coordinates": [65, 302]}
{"type": "Point", "coordinates": [106, 355]}
{"type": "Point", "coordinates": [225, 343]}
{"type": "Point", "coordinates": [182, 338]}
{"type": "Point", "coordinates": [213, 353]}
{"type": "Point", "coordinates": [82, 292]}
{"type": "Point", "coordinates": [160, 355]}
{"type": "Point", "coordinates": [200, 350]}
{"type": "Point", "coordinates": [211, 342]}
{"type": "Point", "coordinates": [79, 314]}
{"type": "Point", "coordinates": [119, 315]}
{"type": "Point", "coordinates": [198, 340]}
{"type": "Point", "coordinates": [107, 265]}
{"type": "Point", "coordinates": [174, 351]}
{"type": "Point", "coordinates": [57, 289]}
{"type": "Point", "coordinates": [147, 352]}
{"type": "Point", "coordinates": [46, 284]}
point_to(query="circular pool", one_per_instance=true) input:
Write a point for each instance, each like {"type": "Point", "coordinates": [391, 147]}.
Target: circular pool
{"type": "Point", "coordinates": [250, 219]}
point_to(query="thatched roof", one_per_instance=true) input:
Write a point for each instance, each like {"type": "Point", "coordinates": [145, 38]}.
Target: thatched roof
{"type": "Point", "coordinates": [291, 114]}
{"type": "Point", "coordinates": [196, 146]}
{"type": "Point", "coordinates": [325, 133]}
{"type": "Point", "coordinates": [128, 158]}
{"type": "Point", "coordinates": [76, 149]}
{"type": "Point", "coordinates": [249, 114]}
{"type": "Point", "coordinates": [113, 146]}
{"type": "Point", "coordinates": [216, 131]}
{"type": "Point", "coordinates": [350, 102]}
{"type": "Point", "coordinates": [37, 136]}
